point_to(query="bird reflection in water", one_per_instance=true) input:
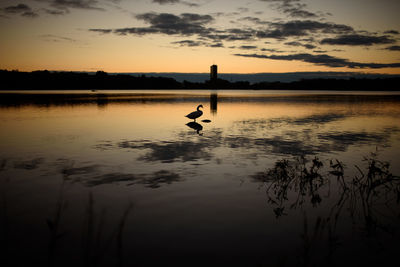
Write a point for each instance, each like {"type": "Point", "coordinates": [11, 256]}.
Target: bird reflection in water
{"type": "Point", "coordinates": [195, 126]}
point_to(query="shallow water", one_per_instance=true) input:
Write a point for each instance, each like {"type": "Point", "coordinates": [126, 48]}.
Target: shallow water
{"type": "Point", "coordinates": [121, 178]}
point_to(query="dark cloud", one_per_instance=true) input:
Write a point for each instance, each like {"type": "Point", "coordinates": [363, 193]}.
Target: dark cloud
{"type": "Point", "coordinates": [304, 33]}
{"type": "Point", "coordinates": [226, 14]}
{"type": "Point", "coordinates": [30, 14]}
{"type": "Point", "coordinates": [272, 50]}
{"type": "Point", "coordinates": [164, 20]}
{"type": "Point", "coordinates": [103, 31]}
{"type": "Point", "coordinates": [77, 4]}
{"type": "Point", "coordinates": [21, 9]}
{"type": "Point", "coordinates": [392, 32]}
{"type": "Point", "coordinates": [185, 24]}
{"type": "Point", "coordinates": [298, 12]}
{"type": "Point", "coordinates": [56, 38]}
{"type": "Point", "coordinates": [189, 24]}
{"type": "Point", "coordinates": [308, 46]}
{"type": "Point", "coordinates": [234, 34]}
{"type": "Point", "coordinates": [281, 1]}
{"type": "Point", "coordinates": [17, 9]}
{"type": "Point", "coordinates": [216, 45]}
{"type": "Point", "coordinates": [297, 28]}
{"type": "Point", "coordinates": [218, 14]}
{"type": "Point", "coordinates": [192, 43]}
{"type": "Point", "coordinates": [247, 47]}
{"type": "Point", "coordinates": [163, 2]}
{"type": "Point", "coordinates": [55, 12]}
{"type": "Point", "coordinates": [324, 60]}
{"type": "Point", "coordinates": [357, 39]}
{"type": "Point", "coordinates": [133, 31]}
{"type": "Point", "coordinates": [393, 48]}
{"type": "Point", "coordinates": [243, 9]}
{"type": "Point", "coordinates": [307, 39]}
{"type": "Point", "coordinates": [254, 20]}
{"type": "Point", "coordinates": [293, 8]}
{"type": "Point", "coordinates": [189, 43]}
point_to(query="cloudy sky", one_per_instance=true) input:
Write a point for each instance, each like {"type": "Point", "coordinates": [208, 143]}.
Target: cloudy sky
{"type": "Point", "coordinates": [241, 36]}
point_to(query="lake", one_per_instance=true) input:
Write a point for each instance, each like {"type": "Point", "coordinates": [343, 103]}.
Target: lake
{"type": "Point", "coordinates": [270, 178]}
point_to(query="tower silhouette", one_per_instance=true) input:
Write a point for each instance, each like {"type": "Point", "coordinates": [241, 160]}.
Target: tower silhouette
{"type": "Point", "coordinates": [213, 72]}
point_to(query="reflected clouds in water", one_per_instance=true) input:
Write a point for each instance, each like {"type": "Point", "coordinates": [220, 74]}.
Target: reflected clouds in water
{"type": "Point", "coordinates": [349, 138]}
{"type": "Point", "coordinates": [254, 125]}
{"type": "Point", "coordinates": [28, 164]}
{"type": "Point", "coordinates": [93, 175]}
{"type": "Point", "coordinates": [306, 141]}
{"type": "Point", "coordinates": [317, 119]}
{"type": "Point", "coordinates": [168, 151]}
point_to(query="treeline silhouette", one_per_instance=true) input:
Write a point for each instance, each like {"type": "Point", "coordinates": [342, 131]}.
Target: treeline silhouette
{"type": "Point", "coordinates": [48, 80]}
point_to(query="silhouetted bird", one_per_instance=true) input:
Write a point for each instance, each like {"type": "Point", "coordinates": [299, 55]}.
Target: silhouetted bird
{"type": "Point", "coordinates": [195, 114]}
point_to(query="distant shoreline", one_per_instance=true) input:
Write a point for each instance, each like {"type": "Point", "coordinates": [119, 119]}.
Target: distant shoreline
{"type": "Point", "coordinates": [46, 80]}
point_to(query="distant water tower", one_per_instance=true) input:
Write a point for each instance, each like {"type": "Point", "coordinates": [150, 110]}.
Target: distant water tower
{"type": "Point", "coordinates": [213, 72]}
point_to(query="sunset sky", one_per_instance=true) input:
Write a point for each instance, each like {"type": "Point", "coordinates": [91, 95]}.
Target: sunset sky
{"type": "Point", "coordinates": [241, 36]}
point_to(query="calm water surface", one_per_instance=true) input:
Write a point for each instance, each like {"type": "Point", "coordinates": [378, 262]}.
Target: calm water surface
{"type": "Point", "coordinates": [276, 178]}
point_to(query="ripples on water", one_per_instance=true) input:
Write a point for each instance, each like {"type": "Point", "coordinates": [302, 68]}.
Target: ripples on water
{"type": "Point", "coordinates": [271, 178]}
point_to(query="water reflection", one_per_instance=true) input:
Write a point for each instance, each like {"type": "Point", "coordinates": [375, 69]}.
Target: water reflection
{"type": "Point", "coordinates": [298, 178]}
{"type": "Point", "coordinates": [213, 103]}
{"type": "Point", "coordinates": [368, 201]}
{"type": "Point", "coordinates": [168, 152]}
{"type": "Point", "coordinates": [254, 186]}
{"type": "Point", "coordinates": [27, 164]}
{"type": "Point", "coordinates": [102, 101]}
{"type": "Point", "coordinates": [104, 97]}
{"type": "Point", "coordinates": [287, 142]}
{"type": "Point", "coordinates": [195, 126]}
{"type": "Point", "coordinates": [94, 175]}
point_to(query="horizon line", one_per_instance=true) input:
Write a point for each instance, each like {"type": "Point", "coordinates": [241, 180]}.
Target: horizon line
{"type": "Point", "coordinates": [219, 73]}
